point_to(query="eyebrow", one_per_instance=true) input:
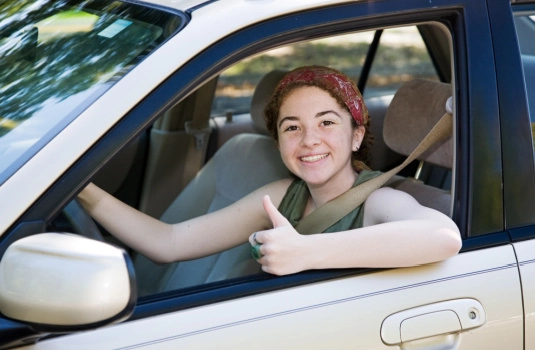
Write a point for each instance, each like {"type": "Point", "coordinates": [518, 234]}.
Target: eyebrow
{"type": "Point", "coordinates": [320, 114]}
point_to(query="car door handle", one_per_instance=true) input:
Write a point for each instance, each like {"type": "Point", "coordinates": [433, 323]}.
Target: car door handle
{"type": "Point", "coordinates": [434, 319]}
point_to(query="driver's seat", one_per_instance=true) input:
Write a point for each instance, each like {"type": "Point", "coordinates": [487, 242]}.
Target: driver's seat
{"type": "Point", "coordinates": [243, 164]}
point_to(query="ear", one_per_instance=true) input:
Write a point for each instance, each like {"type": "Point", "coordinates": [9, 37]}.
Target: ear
{"type": "Point", "coordinates": [358, 136]}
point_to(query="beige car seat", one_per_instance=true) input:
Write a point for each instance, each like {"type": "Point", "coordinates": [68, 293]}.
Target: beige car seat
{"type": "Point", "coordinates": [243, 164]}
{"type": "Point", "coordinates": [414, 110]}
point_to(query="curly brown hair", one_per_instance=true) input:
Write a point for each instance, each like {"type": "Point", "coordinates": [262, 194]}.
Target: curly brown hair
{"type": "Point", "coordinates": [271, 113]}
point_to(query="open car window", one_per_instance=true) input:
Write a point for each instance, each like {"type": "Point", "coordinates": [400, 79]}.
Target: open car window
{"type": "Point", "coordinates": [401, 56]}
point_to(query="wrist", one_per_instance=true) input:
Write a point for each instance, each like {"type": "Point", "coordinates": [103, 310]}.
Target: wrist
{"type": "Point", "coordinates": [314, 252]}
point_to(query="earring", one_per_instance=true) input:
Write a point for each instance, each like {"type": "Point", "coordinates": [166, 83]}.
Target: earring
{"type": "Point", "coordinates": [356, 149]}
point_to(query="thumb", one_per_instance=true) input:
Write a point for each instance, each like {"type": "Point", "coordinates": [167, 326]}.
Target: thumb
{"type": "Point", "coordinates": [277, 219]}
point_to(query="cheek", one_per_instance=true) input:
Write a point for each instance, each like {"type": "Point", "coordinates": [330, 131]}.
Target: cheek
{"type": "Point", "coordinates": [286, 145]}
{"type": "Point", "coordinates": [342, 139]}
{"type": "Point", "coordinates": [287, 156]}
{"type": "Point", "coordinates": [344, 143]}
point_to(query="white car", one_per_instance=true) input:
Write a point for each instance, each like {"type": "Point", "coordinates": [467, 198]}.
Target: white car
{"type": "Point", "coordinates": [160, 103]}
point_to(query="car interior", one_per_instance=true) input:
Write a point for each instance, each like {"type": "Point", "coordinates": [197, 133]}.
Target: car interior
{"type": "Point", "coordinates": [193, 160]}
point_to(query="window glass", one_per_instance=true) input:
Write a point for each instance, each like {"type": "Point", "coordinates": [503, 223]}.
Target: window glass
{"type": "Point", "coordinates": [401, 56]}
{"type": "Point", "coordinates": [58, 57]}
{"type": "Point", "coordinates": [525, 27]}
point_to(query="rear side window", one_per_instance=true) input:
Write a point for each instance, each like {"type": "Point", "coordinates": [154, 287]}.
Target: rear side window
{"type": "Point", "coordinates": [525, 27]}
{"type": "Point", "coordinates": [401, 56]}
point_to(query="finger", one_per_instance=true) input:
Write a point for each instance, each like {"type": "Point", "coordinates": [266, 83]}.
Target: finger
{"type": "Point", "coordinates": [277, 219]}
{"type": "Point", "coordinates": [254, 239]}
{"type": "Point", "coordinates": [256, 253]}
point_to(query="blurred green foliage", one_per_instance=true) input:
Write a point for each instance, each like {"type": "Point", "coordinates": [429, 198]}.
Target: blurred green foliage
{"type": "Point", "coordinates": [390, 60]}
{"type": "Point", "coordinates": [393, 64]}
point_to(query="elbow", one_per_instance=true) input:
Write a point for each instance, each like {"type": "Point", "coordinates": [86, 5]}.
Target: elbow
{"type": "Point", "coordinates": [450, 243]}
{"type": "Point", "coordinates": [158, 255]}
{"type": "Point", "coordinates": [163, 250]}
{"type": "Point", "coordinates": [160, 260]}
{"type": "Point", "coordinates": [162, 257]}
{"type": "Point", "coordinates": [157, 258]}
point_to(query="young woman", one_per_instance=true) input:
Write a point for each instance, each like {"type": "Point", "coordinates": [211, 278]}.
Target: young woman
{"type": "Point", "coordinates": [318, 119]}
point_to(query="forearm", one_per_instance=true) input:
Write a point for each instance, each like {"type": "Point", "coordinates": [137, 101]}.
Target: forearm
{"type": "Point", "coordinates": [139, 231]}
{"type": "Point", "coordinates": [393, 244]}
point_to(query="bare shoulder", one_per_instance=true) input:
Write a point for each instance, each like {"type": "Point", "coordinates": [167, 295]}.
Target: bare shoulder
{"type": "Point", "coordinates": [385, 195]}
{"type": "Point", "coordinates": [387, 204]}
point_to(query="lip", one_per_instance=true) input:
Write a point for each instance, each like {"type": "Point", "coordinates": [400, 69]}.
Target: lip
{"type": "Point", "coordinates": [313, 158]}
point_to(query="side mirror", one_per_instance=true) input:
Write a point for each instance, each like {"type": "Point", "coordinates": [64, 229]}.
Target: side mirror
{"type": "Point", "coordinates": [64, 282]}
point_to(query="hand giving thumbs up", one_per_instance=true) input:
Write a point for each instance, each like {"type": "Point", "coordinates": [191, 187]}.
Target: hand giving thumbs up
{"type": "Point", "coordinates": [280, 250]}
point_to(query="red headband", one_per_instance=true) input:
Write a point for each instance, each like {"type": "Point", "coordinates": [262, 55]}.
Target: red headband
{"type": "Point", "coordinates": [336, 82]}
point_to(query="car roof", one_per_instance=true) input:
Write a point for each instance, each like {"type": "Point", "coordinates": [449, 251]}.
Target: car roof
{"type": "Point", "coordinates": [182, 5]}
{"type": "Point", "coordinates": [185, 5]}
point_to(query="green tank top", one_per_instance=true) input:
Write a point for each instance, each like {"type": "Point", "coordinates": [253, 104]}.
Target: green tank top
{"type": "Point", "coordinates": [295, 200]}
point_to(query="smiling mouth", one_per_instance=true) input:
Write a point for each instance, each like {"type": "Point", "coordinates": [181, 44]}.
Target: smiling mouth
{"type": "Point", "coordinates": [311, 159]}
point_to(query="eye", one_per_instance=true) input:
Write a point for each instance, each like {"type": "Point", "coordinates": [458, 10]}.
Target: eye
{"type": "Point", "coordinates": [327, 123]}
{"type": "Point", "coordinates": [291, 128]}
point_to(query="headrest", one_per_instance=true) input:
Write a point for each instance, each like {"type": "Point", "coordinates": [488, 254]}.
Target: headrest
{"type": "Point", "coordinates": [414, 110]}
{"type": "Point", "coordinates": [261, 96]}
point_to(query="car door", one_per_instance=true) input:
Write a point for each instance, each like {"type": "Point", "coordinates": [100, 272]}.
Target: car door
{"type": "Point", "coordinates": [520, 180]}
{"type": "Point", "coordinates": [473, 300]}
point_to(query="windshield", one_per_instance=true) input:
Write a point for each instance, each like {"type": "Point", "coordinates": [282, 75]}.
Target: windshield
{"type": "Point", "coordinates": [57, 57]}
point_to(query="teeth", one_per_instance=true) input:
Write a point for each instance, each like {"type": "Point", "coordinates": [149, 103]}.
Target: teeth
{"type": "Point", "coordinates": [313, 158]}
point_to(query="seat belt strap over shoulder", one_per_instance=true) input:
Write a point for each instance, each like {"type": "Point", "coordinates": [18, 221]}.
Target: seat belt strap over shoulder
{"type": "Point", "coordinates": [334, 210]}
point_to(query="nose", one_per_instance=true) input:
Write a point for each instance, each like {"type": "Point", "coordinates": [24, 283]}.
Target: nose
{"type": "Point", "coordinates": [310, 138]}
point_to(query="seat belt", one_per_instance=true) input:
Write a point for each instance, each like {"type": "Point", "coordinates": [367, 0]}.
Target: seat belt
{"type": "Point", "coordinates": [334, 210]}
{"type": "Point", "coordinates": [199, 127]}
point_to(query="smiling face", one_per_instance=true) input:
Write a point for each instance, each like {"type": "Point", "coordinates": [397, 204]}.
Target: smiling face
{"type": "Point", "coordinates": [316, 138]}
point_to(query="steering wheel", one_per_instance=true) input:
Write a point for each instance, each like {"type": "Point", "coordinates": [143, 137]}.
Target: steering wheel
{"type": "Point", "coordinates": [81, 221]}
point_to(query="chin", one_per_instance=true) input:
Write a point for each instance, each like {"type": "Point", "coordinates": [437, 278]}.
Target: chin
{"type": "Point", "coordinates": [314, 180]}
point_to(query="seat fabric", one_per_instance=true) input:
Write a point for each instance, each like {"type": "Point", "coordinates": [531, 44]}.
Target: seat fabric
{"type": "Point", "coordinates": [414, 110]}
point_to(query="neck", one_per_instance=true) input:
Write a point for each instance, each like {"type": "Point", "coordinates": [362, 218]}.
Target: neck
{"type": "Point", "coordinates": [322, 194]}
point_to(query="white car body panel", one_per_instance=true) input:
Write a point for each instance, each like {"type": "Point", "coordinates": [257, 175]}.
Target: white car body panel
{"type": "Point", "coordinates": [525, 252]}
{"type": "Point", "coordinates": [359, 305]}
